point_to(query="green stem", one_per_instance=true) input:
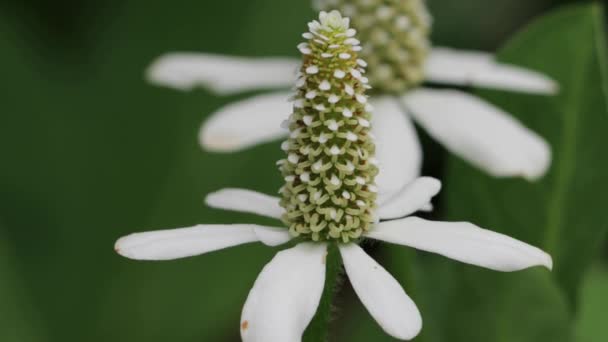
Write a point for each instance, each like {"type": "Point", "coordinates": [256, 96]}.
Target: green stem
{"type": "Point", "coordinates": [318, 330]}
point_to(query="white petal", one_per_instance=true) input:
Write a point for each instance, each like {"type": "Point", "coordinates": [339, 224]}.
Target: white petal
{"type": "Point", "coordinates": [222, 74]}
{"type": "Point", "coordinates": [397, 147]}
{"type": "Point", "coordinates": [464, 242]}
{"type": "Point", "coordinates": [457, 67]}
{"type": "Point", "coordinates": [271, 236]}
{"type": "Point", "coordinates": [245, 201]}
{"type": "Point", "coordinates": [246, 123]}
{"type": "Point", "coordinates": [381, 294]}
{"type": "Point", "coordinates": [481, 133]}
{"type": "Point", "coordinates": [427, 207]}
{"type": "Point", "coordinates": [187, 242]}
{"type": "Point", "coordinates": [285, 296]}
{"type": "Point", "coordinates": [415, 196]}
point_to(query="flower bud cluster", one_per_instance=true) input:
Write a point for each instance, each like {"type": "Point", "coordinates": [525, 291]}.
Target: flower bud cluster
{"type": "Point", "coordinates": [330, 166]}
{"type": "Point", "coordinates": [395, 35]}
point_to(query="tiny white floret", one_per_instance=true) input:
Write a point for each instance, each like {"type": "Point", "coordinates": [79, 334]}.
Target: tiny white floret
{"type": "Point", "coordinates": [325, 85]}
{"type": "Point", "coordinates": [312, 70]}
{"type": "Point", "coordinates": [361, 98]}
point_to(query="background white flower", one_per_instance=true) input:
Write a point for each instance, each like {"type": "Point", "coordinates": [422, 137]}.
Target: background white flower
{"type": "Point", "coordinates": [286, 294]}
{"type": "Point", "coordinates": [477, 131]}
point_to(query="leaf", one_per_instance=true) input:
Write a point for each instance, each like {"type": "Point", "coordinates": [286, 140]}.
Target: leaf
{"type": "Point", "coordinates": [18, 319]}
{"type": "Point", "coordinates": [591, 320]}
{"type": "Point", "coordinates": [564, 213]}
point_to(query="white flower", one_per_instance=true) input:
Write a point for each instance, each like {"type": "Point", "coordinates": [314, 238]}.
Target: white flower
{"type": "Point", "coordinates": [475, 130]}
{"type": "Point", "coordinates": [339, 190]}
{"type": "Point", "coordinates": [286, 294]}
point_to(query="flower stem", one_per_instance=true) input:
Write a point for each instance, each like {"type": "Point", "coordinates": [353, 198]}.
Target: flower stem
{"type": "Point", "coordinates": [318, 330]}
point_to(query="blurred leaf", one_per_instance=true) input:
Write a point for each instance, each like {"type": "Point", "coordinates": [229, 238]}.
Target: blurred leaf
{"type": "Point", "coordinates": [19, 321]}
{"type": "Point", "coordinates": [591, 321]}
{"type": "Point", "coordinates": [481, 305]}
{"type": "Point", "coordinates": [564, 213]}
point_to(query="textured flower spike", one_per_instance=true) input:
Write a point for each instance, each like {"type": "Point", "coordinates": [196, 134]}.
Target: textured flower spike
{"type": "Point", "coordinates": [396, 39]}
{"type": "Point", "coordinates": [330, 167]}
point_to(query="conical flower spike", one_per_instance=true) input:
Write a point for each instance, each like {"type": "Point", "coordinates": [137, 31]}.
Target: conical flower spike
{"type": "Point", "coordinates": [330, 167]}
{"type": "Point", "coordinates": [395, 35]}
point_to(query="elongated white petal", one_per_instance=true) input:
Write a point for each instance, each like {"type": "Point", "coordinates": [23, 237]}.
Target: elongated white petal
{"type": "Point", "coordinates": [415, 196]}
{"type": "Point", "coordinates": [475, 68]}
{"type": "Point", "coordinates": [285, 296]}
{"type": "Point", "coordinates": [479, 132]}
{"type": "Point", "coordinates": [397, 147]}
{"type": "Point", "coordinates": [247, 201]}
{"type": "Point", "coordinates": [464, 242]}
{"type": "Point", "coordinates": [222, 74]}
{"type": "Point", "coordinates": [381, 294]}
{"type": "Point", "coordinates": [246, 123]}
{"type": "Point", "coordinates": [187, 242]}
{"type": "Point", "coordinates": [272, 236]}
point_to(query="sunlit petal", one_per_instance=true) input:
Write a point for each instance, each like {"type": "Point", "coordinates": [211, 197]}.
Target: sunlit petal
{"type": "Point", "coordinates": [247, 201]}
{"type": "Point", "coordinates": [285, 296]}
{"type": "Point", "coordinates": [475, 68]}
{"type": "Point", "coordinates": [381, 294]}
{"type": "Point", "coordinates": [222, 74]}
{"type": "Point", "coordinates": [415, 196]}
{"type": "Point", "coordinates": [246, 123]}
{"type": "Point", "coordinates": [464, 242]}
{"type": "Point", "coordinates": [481, 133]}
{"type": "Point", "coordinates": [397, 147]}
{"type": "Point", "coordinates": [186, 242]}
{"type": "Point", "coordinates": [271, 236]}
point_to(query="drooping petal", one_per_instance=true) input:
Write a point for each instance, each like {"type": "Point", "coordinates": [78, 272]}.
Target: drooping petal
{"type": "Point", "coordinates": [381, 294]}
{"type": "Point", "coordinates": [415, 196]}
{"type": "Point", "coordinates": [222, 74]}
{"type": "Point", "coordinates": [246, 123]}
{"type": "Point", "coordinates": [464, 242]}
{"type": "Point", "coordinates": [475, 68]}
{"type": "Point", "coordinates": [187, 242]}
{"type": "Point", "coordinates": [247, 201]}
{"type": "Point", "coordinates": [397, 146]}
{"type": "Point", "coordinates": [481, 133]}
{"type": "Point", "coordinates": [285, 296]}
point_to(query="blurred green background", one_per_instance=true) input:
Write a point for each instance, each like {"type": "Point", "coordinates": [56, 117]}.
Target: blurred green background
{"type": "Point", "coordinates": [90, 152]}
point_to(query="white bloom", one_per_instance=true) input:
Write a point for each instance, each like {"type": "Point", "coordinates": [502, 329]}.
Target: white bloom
{"type": "Point", "coordinates": [286, 294]}
{"type": "Point", "coordinates": [350, 194]}
{"type": "Point", "coordinates": [475, 130]}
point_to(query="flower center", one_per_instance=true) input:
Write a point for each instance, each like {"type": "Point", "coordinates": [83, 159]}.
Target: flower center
{"type": "Point", "coordinates": [396, 39]}
{"type": "Point", "coordinates": [330, 168]}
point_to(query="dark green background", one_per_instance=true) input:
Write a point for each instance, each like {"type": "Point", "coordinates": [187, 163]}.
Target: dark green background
{"type": "Point", "coordinates": [90, 152]}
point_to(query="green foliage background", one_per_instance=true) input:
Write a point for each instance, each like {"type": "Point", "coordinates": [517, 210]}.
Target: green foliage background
{"type": "Point", "coordinates": [90, 152]}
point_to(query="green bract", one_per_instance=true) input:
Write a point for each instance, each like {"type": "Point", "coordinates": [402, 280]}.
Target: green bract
{"type": "Point", "coordinates": [395, 35]}
{"type": "Point", "coordinates": [330, 167]}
